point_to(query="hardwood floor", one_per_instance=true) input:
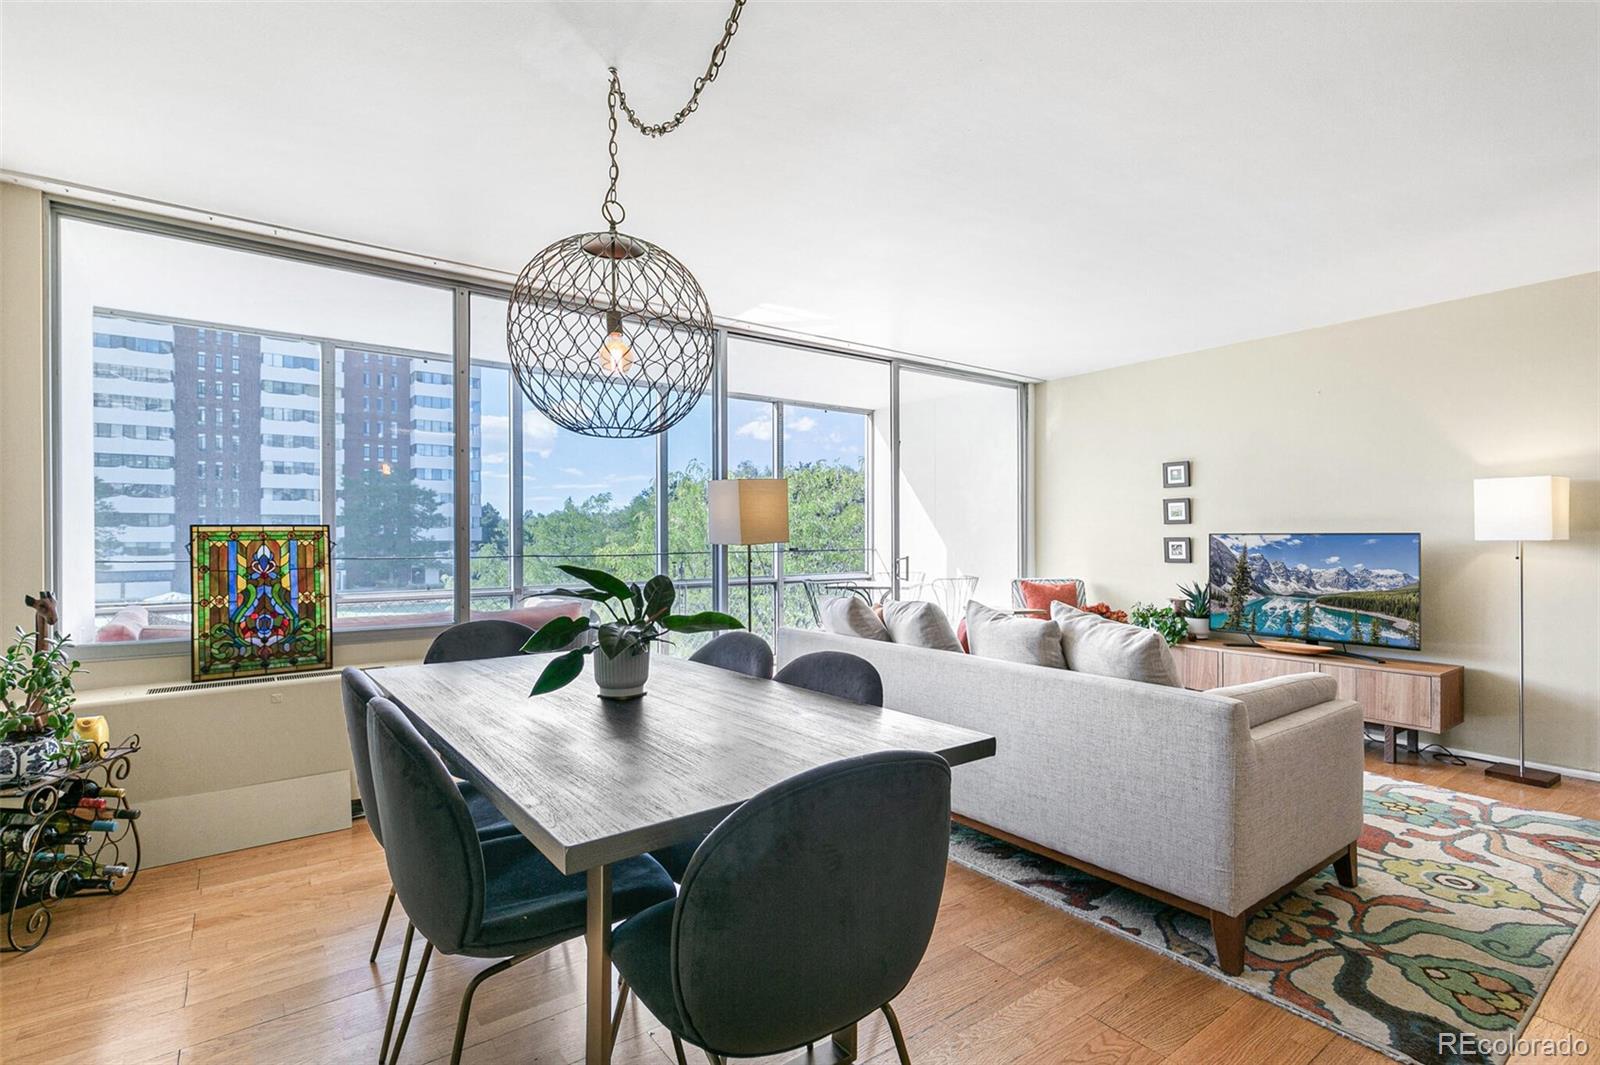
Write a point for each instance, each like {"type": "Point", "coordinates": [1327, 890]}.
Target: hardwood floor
{"type": "Point", "coordinates": [261, 956]}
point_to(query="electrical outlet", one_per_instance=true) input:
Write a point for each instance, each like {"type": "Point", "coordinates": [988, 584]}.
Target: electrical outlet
{"type": "Point", "coordinates": [276, 698]}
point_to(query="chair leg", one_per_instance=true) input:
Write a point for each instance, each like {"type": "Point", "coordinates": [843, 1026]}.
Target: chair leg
{"type": "Point", "coordinates": [899, 1037]}
{"type": "Point", "coordinates": [377, 940]}
{"type": "Point", "coordinates": [416, 986]}
{"type": "Point", "coordinates": [466, 1001]}
{"type": "Point", "coordinates": [616, 1018]}
{"type": "Point", "coordinates": [677, 1048]}
{"type": "Point", "coordinates": [394, 996]}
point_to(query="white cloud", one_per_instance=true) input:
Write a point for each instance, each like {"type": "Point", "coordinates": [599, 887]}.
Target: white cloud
{"type": "Point", "coordinates": [1369, 541]}
{"type": "Point", "coordinates": [756, 429]}
{"type": "Point", "coordinates": [538, 433]}
{"type": "Point", "coordinates": [1330, 560]}
{"type": "Point", "coordinates": [573, 471]}
{"type": "Point", "coordinates": [803, 424]}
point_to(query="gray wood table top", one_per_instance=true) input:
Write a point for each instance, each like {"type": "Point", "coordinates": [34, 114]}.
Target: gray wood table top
{"type": "Point", "coordinates": [592, 782]}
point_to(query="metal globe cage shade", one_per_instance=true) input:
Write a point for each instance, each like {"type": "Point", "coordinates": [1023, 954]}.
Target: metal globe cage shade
{"type": "Point", "coordinates": [610, 335]}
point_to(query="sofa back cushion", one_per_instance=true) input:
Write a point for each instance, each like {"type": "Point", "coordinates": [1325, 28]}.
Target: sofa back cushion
{"type": "Point", "coordinates": [849, 615]}
{"type": "Point", "coordinates": [919, 624]}
{"type": "Point", "coordinates": [1093, 644]}
{"type": "Point", "coordinates": [997, 634]}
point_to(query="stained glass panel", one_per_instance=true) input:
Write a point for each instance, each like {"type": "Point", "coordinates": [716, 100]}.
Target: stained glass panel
{"type": "Point", "coordinates": [260, 600]}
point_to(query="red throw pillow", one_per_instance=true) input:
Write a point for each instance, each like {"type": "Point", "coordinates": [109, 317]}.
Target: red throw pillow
{"type": "Point", "coordinates": [961, 636]}
{"type": "Point", "coordinates": [1038, 595]}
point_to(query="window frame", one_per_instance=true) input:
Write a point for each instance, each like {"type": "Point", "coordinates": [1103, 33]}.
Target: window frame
{"type": "Point", "coordinates": [464, 286]}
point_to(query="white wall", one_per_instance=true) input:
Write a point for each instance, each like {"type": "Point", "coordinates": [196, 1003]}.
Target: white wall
{"type": "Point", "coordinates": [1374, 425]}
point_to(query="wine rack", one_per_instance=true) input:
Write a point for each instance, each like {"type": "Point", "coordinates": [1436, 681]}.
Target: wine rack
{"type": "Point", "coordinates": [50, 850]}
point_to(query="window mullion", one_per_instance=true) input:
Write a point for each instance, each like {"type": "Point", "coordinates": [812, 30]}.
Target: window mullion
{"type": "Point", "coordinates": [461, 496]}
{"type": "Point", "coordinates": [514, 570]}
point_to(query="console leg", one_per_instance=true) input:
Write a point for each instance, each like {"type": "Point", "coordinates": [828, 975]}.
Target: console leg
{"type": "Point", "coordinates": [1388, 743]}
{"type": "Point", "coordinates": [1344, 867]}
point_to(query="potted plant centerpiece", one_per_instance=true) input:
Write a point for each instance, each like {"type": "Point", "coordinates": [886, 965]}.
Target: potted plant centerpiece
{"type": "Point", "coordinates": [36, 696]}
{"type": "Point", "coordinates": [640, 615]}
{"type": "Point", "coordinates": [1197, 609]}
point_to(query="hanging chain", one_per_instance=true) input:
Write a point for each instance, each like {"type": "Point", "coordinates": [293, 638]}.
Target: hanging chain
{"type": "Point", "coordinates": [611, 208]}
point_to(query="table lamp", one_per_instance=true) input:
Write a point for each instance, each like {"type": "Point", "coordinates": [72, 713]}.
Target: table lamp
{"type": "Point", "coordinates": [748, 511]}
{"type": "Point", "coordinates": [1521, 509]}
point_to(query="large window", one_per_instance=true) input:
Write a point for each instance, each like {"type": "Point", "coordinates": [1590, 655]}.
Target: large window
{"type": "Point", "coordinates": [210, 382]}
{"type": "Point", "coordinates": [208, 385]}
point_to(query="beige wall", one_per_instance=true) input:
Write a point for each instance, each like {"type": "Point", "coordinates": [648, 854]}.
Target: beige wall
{"type": "Point", "coordinates": [221, 768]}
{"type": "Point", "coordinates": [1381, 425]}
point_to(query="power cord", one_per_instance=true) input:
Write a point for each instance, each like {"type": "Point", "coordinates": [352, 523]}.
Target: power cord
{"type": "Point", "coordinates": [1440, 752]}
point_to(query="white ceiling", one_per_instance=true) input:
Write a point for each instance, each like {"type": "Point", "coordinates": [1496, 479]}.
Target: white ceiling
{"type": "Point", "coordinates": [1045, 189]}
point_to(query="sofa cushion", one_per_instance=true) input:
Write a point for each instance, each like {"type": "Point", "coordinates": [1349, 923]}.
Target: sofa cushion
{"type": "Point", "coordinates": [996, 634]}
{"type": "Point", "coordinates": [1092, 644]}
{"type": "Point", "coordinates": [1040, 595]}
{"type": "Point", "coordinates": [849, 615]}
{"type": "Point", "coordinates": [920, 624]}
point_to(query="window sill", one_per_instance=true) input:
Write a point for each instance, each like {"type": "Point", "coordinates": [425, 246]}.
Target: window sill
{"type": "Point", "coordinates": [112, 651]}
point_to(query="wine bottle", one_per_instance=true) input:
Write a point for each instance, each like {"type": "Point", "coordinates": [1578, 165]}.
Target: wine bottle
{"type": "Point", "coordinates": [69, 824]}
{"type": "Point", "coordinates": [87, 803]}
{"type": "Point", "coordinates": [57, 838]}
{"type": "Point", "coordinates": [63, 885]}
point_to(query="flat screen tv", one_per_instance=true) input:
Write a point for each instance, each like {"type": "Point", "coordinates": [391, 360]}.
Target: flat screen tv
{"type": "Point", "coordinates": [1347, 588]}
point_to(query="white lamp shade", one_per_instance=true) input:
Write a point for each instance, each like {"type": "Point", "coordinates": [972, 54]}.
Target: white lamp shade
{"type": "Point", "coordinates": [1520, 508]}
{"type": "Point", "coordinates": [749, 510]}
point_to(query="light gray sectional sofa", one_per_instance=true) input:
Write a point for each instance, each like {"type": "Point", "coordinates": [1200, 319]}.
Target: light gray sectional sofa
{"type": "Point", "coordinates": [1213, 801]}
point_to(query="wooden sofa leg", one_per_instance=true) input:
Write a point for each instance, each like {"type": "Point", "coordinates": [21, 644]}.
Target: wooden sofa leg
{"type": "Point", "coordinates": [1229, 934]}
{"type": "Point", "coordinates": [1344, 867]}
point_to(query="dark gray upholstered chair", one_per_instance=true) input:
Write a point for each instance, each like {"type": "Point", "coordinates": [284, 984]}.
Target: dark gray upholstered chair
{"type": "Point", "coordinates": [738, 652]}
{"type": "Point", "coordinates": [835, 673]}
{"type": "Point", "coordinates": [471, 640]}
{"type": "Point", "coordinates": [495, 898]}
{"type": "Point", "coordinates": [358, 691]}
{"type": "Point", "coordinates": [783, 931]}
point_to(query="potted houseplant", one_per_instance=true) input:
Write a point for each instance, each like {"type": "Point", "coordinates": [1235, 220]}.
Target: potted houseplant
{"type": "Point", "coordinates": [36, 696]}
{"type": "Point", "coordinates": [1197, 609]}
{"type": "Point", "coordinates": [1162, 619]}
{"type": "Point", "coordinates": [640, 615]}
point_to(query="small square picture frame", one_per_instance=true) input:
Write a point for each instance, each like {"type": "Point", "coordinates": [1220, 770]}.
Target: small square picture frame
{"type": "Point", "coordinates": [1177, 511]}
{"type": "Point", "coordinates": [1175, 549]}
{"type": "Point", "coordinates": [1175, 474]}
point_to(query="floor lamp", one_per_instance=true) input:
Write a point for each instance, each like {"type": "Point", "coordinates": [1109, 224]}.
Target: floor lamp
{"type": "Point", "coordinates": [1521, 509]}
{"type": "Point", "coordinates": [748, 511]}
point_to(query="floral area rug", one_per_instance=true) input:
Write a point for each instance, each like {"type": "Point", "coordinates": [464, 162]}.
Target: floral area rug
{"type": "Point", "coordinates": [1464, 909]}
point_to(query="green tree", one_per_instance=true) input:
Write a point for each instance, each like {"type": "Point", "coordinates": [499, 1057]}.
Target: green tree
{"type": "Point", "coordinates": [107, 521]}
{"type": "Point", "coordinates": [386, 522]}
{"type": "Point", "coordinates": [1305, 621]}
{"type": "Point", "coordinates": [1239, 591]}
{"type": "Point", "coordinates": [491, 567]}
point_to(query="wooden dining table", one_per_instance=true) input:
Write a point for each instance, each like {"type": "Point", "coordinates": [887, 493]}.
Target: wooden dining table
{"type": "Point", "coordinates": [591, 782]}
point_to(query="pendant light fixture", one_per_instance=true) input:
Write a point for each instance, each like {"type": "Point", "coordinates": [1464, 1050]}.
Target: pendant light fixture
{"type": "Point", "coordinates": [610, 335]}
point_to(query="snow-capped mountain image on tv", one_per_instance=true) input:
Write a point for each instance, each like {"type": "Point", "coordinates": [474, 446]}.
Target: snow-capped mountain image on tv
{"type": "Point", "coordinates": [1359, 588]}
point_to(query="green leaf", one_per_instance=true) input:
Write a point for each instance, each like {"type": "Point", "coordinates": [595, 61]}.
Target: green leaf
{"type": "Point", "coordinates": [555, 634]}
{"type": "Point", "coordinates": [598, 578]}
{"type": "Point", "coordinates": [560, 672]}
{"type": "Point", "coordinates": [577, 593]}
{"type": "Point", "coordinates": [636, 597]}
{"type": "Point", "coordinates": [705, 621]}
{"type": "Point", "coordinates": [617, 639]}
{"type": "Point", "coordinates": [659, 595]}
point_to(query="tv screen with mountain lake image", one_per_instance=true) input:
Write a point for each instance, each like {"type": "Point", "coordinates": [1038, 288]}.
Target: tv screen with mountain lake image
{"type": "Point", "coordinates": [1362, 588]}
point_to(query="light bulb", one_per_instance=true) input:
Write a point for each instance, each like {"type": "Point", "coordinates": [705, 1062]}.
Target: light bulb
{"type": "Point", "coordinates": [616, 354]}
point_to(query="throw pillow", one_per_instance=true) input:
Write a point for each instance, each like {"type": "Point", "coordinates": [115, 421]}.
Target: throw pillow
{"type": "Point", "coordinates": [1092, 644]}
{"type": "Point", "coordinates": [849, 615]}
{"type": "Point", "coordinates": [1040, 595]}
{"type": "Point", "coordinates": [997, 634]}
{"type": "Point", "coordinates": [919, 624]}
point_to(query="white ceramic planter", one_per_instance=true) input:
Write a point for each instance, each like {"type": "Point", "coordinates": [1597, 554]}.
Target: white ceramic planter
{"type": "Point", "coordinates": [622, 677]}
{"type": "Point", "coordinates": [1199, 628]}
{"type": "Point", "coordinates": [22, 760]}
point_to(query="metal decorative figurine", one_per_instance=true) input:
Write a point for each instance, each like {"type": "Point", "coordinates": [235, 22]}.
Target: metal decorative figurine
{"type": "Point", "coordinates": [261, 602]}
{"type": "Point", "coordinates": [610, 335]}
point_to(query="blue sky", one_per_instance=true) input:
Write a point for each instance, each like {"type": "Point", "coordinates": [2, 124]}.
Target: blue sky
{"type": "Point", "coordinates": [558, 464]}
{"type": "Point", "coordinates": [1398, 551]}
